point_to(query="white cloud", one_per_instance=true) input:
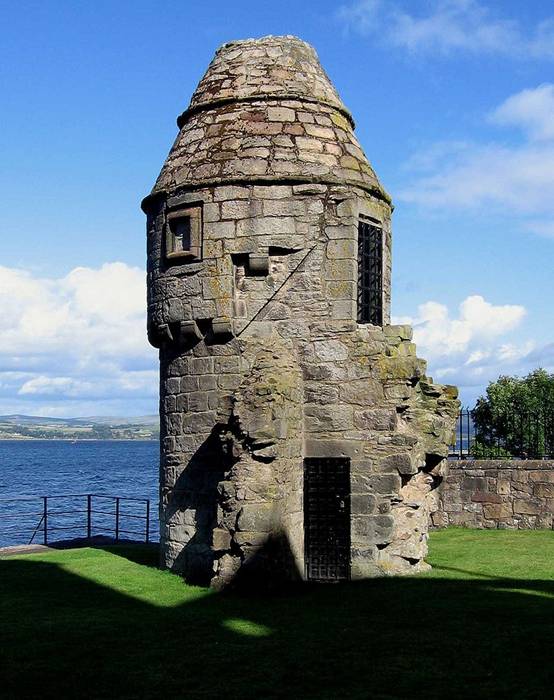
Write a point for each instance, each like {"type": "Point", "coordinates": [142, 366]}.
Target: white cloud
{"type": "Point", "coordinates": [520, 177]}
{"type": "Point", "coordinates": [516, 178]}
{"type": "Point", "coordinates": [541, 228]}
{"type": "Point", "coordinates": [53, 385]}
{"type": "Point", "coordinates": [478, 322]}
{"type": "Point", "coordinates": [469, 348]}
{"type": "Point", "coordinates": [531, 110]}
{"type": "Point", "coordinates": [112, 293]}
{"type": "Point", "coordinates": [448, 26]}
{"type": "Point", "coordinates": [79, 341]}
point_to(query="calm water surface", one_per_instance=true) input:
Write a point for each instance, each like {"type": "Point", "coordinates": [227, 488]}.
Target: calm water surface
{"type": "Point", "coordinates": [51, 467]}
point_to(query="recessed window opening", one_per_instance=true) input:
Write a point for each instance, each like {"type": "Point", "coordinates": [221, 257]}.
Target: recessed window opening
{"type": "Point", "coordinates": [181, 231]}
{"type": "Point", "coordinates": [184, 234]}
{"type": "Point", "coordinates": [370, 273]}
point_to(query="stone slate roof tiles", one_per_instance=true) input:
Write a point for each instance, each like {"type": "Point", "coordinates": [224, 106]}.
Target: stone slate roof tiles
{"type": "Point", "coordinates": [265, 110]}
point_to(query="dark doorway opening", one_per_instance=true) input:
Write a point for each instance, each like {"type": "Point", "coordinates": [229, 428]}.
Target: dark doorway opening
{"type": "Point", "coordinates": [327, 518]}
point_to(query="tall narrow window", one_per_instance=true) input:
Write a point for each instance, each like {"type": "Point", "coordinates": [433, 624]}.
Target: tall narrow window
{"type": "Point", "coordinates": [370, 273]}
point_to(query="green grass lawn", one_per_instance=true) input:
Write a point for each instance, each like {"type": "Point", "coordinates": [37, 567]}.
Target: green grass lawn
{"type": "Point", "coordinates": [107, 624]}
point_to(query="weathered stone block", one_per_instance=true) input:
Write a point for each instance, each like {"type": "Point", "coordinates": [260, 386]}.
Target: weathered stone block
{"type": "Point", "coordinates": [485, 497]}
{"type": "Point", "coordinates": [546, 477]}
{"type": "Point", "coordinates": [545, 521]}
{"type": "Point", "coordinates": [250, 539]}
{"type": "Point", "coordinates": [362, 392]}
{"type": "Point", "coordinates": [342, 309]}
{"type": "Point", "coordinates": [257, 517]}
{"type": "Point", "coordinates": [372, 529]}
{"type": "Point", "coordinates": [316, 392]}
{"type": "Point", "coordinates": [231, 192]}
{"type": "Point", "coordinates": [205, 382]}
{"type": "Point", "coordinates": [198, 422]}
{"type": "Point", "coordinates": [221, 539]}
{"type": "Point", "coordinates": [241, 209]}
{"type": "Point", "coordinates": [318, 418]}
{"type": "Point", "coordinates": [364, 564]}
{"type": "Point", "coordinates": [330, 350]}
{"type": "Point", "coordinates": [332, 448]}
{"type": "Point", "coordinates": [220, 229]}
{"type": "Point", "coordinates": [497, 511]}
{"type": "Point", "coordinates": [273, 191]}
{"type": "Point", "coordinates": [362, 504]}
{"type": "Point", "coordinates": [474, 484]}
{"type": "Point", "coordinates": [528, 506]}
{"type": "Point", "coordinates": [385, 484]}
{"type": "Point", "coordinates": [403, 463]}
{"type": "Point", "coordinates": [543, 490]}
{"type": "Point", "coordinates": [342, 249]}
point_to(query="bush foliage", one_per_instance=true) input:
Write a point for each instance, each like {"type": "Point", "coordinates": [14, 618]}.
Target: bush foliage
{"type": "Point", "coordinates": [516, 417]}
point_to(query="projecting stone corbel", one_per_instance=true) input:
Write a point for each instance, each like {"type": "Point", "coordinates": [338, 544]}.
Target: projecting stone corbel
{"type": "Point", "coordinates": [159, 335]}
{"type": "Point", "coordinates": [189, 333]}
{"type": "Point", "coordinates": [222, 329]}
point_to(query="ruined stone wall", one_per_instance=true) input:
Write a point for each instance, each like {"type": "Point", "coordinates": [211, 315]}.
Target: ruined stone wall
{"type": "Point", "coordinates": [501, 494]}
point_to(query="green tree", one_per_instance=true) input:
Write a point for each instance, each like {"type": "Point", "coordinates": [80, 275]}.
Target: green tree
{"type": "Point", "coordinates": [516, 417]}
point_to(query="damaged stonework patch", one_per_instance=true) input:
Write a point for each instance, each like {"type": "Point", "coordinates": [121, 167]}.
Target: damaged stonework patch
{"type": "Point", "coordinates": [261, 493]}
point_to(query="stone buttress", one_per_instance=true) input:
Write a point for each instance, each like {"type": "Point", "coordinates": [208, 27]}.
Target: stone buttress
{"type": "Point", "coordinates": [266, 361]}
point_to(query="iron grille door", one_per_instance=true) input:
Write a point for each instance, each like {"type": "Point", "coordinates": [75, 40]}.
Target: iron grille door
{"type": "Point", "coordinates": [370, 274]}
{"type": "Point", "coordinates": [327, 518]}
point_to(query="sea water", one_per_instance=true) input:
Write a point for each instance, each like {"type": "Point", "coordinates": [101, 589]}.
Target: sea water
{"type": "Point", "coordinates": [32, 469]}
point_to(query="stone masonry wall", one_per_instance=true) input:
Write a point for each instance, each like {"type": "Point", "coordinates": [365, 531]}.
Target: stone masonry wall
{"type": "Point", "coordinates": [500, 494]}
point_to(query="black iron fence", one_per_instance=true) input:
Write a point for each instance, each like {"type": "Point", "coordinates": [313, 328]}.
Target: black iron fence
{"type": "Point", "coordinates": [511, 435]}
{"type": "Point", "coordinates": [48, 519]}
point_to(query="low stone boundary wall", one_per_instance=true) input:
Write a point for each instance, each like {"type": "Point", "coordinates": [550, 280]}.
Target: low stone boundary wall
{"type": "Point", "coordinates": [506, 494]}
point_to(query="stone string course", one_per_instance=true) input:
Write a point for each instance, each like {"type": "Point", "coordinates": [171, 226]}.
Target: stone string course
{"type": "Point", "coordinates": [293, 375]}
{"type": "Point", "coordinates": [503, 494]}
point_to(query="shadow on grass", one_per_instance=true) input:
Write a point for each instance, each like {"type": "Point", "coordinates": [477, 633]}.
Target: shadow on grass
{"type": "Point", "coordinates": [64, 635]}
{"type": "Point", "coordinates": [465, 572]}
{"type": "Point", "coordinates": [143, 554]}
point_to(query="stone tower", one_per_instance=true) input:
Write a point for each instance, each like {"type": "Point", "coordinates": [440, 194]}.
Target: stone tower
{"type": "Point", "coordinates": [300, 437]}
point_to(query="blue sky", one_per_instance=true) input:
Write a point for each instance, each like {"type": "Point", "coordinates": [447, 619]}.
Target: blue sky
{"type": "Point", "coordinates": [454, 104]}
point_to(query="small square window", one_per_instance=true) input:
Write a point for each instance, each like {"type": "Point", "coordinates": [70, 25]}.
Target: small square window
{"type": "Point", "coordinates": [183, 239]}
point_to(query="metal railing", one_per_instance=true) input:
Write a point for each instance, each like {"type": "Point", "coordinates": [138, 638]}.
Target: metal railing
{"type": "Point", "coordinates": [513, 435]}
{"type": "Point", "coordinates": [26, 520]}
{"type": "Point", "coordinates": [463, 436]}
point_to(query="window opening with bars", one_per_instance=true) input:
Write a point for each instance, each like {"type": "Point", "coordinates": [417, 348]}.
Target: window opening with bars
{"type": "Point", "coordinates": [370, 273]}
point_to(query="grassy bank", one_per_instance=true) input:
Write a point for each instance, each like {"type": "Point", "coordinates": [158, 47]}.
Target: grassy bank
{"type": "Point", "coordinates": [94, 623]}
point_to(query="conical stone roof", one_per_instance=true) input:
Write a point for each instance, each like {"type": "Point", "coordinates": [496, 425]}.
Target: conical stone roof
{"type": "Point", "coordinates": [275, 66]}
{"type": "Point", "coordinates": [266, 111]}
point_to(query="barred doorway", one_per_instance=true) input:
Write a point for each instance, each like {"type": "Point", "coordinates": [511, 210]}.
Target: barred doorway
{"type": "Point", "coordinates": [327, 518]}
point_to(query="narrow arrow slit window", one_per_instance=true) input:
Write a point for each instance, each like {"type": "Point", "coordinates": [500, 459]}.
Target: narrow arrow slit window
{"type": "Point", "coordinates": [370, 273]}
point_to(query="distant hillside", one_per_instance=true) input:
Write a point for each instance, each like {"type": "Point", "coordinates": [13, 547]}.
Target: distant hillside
{"type": "Point", "coordinates": [111, 420]}
{"type": "Point", "coordinates": [20, 427]}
